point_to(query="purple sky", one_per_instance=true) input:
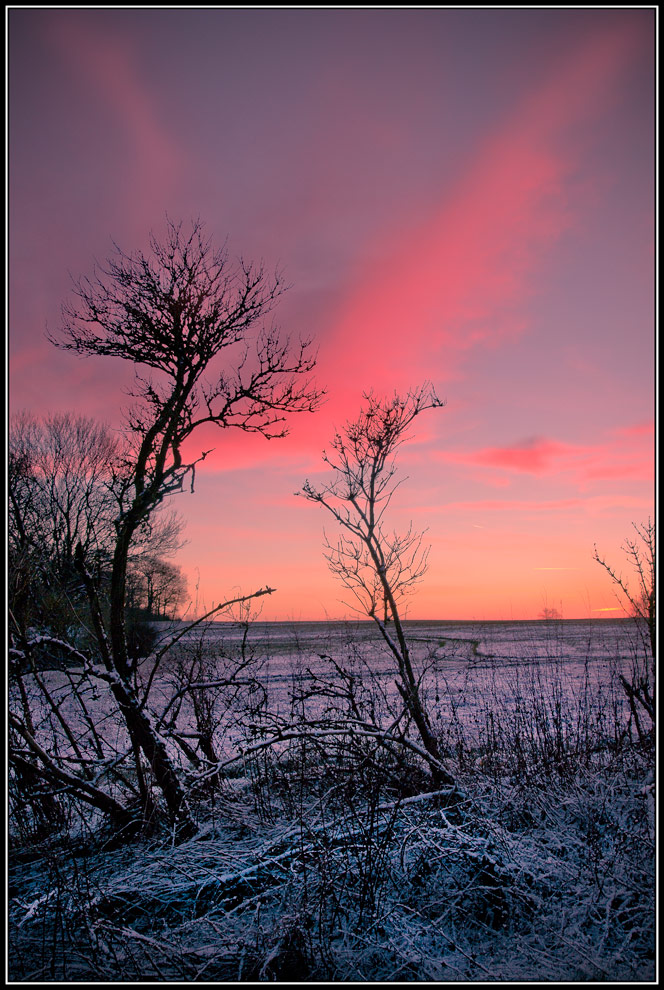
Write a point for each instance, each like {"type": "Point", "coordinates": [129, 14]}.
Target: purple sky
{"type": "Point", "coordinates": [461, 195]}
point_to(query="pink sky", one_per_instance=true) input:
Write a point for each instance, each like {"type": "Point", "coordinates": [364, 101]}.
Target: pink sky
{"type": "Point", "coordinates": [464, 196]}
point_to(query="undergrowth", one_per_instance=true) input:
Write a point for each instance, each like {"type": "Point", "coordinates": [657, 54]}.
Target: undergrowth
{"type": "Point", "coordinates": [324, 854]}
{"type": "Point", "coordinates": [506, 879]}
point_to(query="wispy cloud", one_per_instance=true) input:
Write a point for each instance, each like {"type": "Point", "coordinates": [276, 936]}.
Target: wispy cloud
{"type": "Point", "coordinates": [109, 63]}
{"type": "Point", "coordinates": [621, 457]}
{"type": "Point", "coordinates": [461, 278]}
{"type": "Point", "coordinates": [644, 429]}
{"type": "Point", "coordinates": [593, 505]}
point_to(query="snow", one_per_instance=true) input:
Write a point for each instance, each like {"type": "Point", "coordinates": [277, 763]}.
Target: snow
{"type": "Point", "coordinates": [319, 857]}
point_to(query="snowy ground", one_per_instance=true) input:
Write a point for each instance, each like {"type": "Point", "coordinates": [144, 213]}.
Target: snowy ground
{"type": "Point", "coordinates": [540, 867]}
{"type": "Point", "coordinates": [469, 669]}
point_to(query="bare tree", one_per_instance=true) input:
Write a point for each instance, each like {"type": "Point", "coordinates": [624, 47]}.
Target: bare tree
{"type": "Point", "coordinates": [157, 585]}
{"type": "Point", "coordinates": [377, 566]}
{"type": "Point", "coordinates": [63, 493]}
{"type": "Point", "coordinates": [175, 313]}
{"type": "Point", "coordinates": [550, 614]}
{"type": "Point", "coordinates": [59, 496]}
{"type": "Point", "coordinates": [639, 600]}
{"type": "Point", "coordinates": [62, 499]}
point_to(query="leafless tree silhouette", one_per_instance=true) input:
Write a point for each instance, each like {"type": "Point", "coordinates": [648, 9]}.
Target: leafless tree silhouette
{"type": "Point", "coordinates": [377, 566]}
{"type": "Point", "coordinates": [640, 601]}
{"type": "Point", "coordinates": [175, 313]}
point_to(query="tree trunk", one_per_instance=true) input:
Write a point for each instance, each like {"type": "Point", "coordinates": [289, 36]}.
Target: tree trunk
{"type": "Point", "coordinates": [409, 691]}
{"type": "Point", "coordinates": [142, 734]}
{"type": "Point", "coordinates": [154, 749]}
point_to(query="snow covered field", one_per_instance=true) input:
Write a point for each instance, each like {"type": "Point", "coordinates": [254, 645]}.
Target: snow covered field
{"type": "Point", "coordinates": [468, 669]}
{"type": "Point", "coordinates": [319, 858]}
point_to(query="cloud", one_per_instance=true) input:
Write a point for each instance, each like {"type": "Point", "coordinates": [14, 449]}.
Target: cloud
{"type": "Point", "coordinates": [592, 505]}
{"type": "Point", "coordinates": [534, 455]}
{"type": "Point", "coordinates": [109, 64]}
{"type": "Point", "coordinates": [478, 506]}
{"type": "Point", "coordinates": [623, 457]}
{"type": "Point", "coordinates": [644, 429]}
{"type": "Point", "coordinates": [461, 278]}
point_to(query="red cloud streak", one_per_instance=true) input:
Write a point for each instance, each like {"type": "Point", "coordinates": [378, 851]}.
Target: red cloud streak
{"type": "Point", "coordinates": [542, 456]}
{"type": "Point", "coordinates": [456, 280]}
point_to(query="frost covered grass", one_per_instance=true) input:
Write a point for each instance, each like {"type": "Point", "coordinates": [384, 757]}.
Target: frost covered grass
{"type": "Point", "coordinates": [322, 854]}
{"type": "Point", "coordinates": [508, 880]}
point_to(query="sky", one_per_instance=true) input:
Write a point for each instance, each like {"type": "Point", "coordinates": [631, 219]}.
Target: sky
{"type": "Point", "coordinates": [462, 196]}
